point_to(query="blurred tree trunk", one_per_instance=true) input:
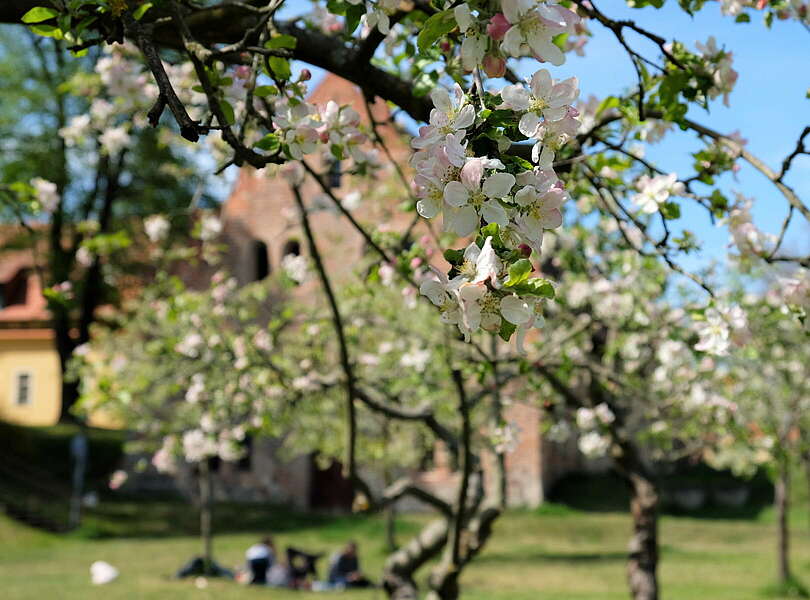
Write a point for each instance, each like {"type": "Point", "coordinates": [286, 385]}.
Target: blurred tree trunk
{"type": "Point", "coordinates": [643, 560]}
{"type": "Point", "coordinates": [782, 506]}
{"type": "Point", "coordinates": [206, 511]}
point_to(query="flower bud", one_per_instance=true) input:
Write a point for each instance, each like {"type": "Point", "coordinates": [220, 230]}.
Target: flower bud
{"type": "Point", "coordinates": [498, 26]}
{"type": "Point", "coordinates": [525, 249]}
{"type": "Point", "coordinates": [494, 66]}
{"type": "Point", "coordinates": [306, 75]}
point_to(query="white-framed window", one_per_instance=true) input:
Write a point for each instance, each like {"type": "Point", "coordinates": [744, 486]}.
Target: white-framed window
{"type": "Point", "coordinates": [23, 388]}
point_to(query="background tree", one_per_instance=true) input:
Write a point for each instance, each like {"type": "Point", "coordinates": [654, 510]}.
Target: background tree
{"type": "Point", "coordinates": [87, 175]}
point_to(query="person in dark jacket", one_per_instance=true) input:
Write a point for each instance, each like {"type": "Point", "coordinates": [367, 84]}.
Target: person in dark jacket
{"type": "Point", "coordinates": [344, 570]}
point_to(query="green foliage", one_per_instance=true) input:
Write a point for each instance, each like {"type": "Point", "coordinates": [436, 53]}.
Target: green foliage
{"type": "Point", "coordinates": [437, 26]}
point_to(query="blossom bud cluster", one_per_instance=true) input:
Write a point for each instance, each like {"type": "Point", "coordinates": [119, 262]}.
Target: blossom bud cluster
{"type": "Point", "coordinates": [517, 202]}
{"type": "Point", "coordinates": [304, 128]}
{"type": "Point", "coordinates": [724, 325]}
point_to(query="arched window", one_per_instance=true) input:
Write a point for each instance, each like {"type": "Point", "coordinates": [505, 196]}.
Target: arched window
{"type": "Point", "coordinates": [292, 247]}
{"type": "Point", "coordinates": [261, 259]}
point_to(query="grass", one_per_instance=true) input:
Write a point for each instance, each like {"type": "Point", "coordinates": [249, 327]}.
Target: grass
{"type": "Point", "coordinates": [556, 553]}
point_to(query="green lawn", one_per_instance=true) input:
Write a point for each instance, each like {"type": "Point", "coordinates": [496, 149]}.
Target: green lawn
{"type": "Point", "coordinates": [552, 554]}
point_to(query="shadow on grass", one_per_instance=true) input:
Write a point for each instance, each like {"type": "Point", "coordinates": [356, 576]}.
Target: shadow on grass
{"type": "Point", "coordinates": [150, 519]}
{"type": "Point", "coordinates": [553, 557]}
{"type": "Point", "coordinates": [792, 588]}
{"type": "Point", "coordinates": [607, 492]}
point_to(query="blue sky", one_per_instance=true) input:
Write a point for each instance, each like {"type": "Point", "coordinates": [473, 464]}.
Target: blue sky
{"type": "Point", "coordinates": [768, 105]}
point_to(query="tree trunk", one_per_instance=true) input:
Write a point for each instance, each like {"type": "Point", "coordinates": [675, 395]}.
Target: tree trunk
{"type": "Point", "coordinates": [400, 567]}
{"type": "Point", "coordinates": [782, 505]}
{"type": "Point", "coordinates": [643, 559]}
{"type": "Point", "coordinates": [206, 536]}
{"type": "Point", "coordinates": [391, 528]}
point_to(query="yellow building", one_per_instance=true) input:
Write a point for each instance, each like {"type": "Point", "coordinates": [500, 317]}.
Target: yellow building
{"type": "Point", "coordinates": [30, 377]}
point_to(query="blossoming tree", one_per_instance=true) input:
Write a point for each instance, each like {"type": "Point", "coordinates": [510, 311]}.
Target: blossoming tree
{"type": "Point", "coordinates": [495, 157]}
{"type": "Point", "coordinates": [77, 183]}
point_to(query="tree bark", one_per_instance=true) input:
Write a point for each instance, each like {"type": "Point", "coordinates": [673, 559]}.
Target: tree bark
{"type": "Point", "coordinates": [782, 505]}
{"type": "Point", "coordinates": [206, 513]}
{"type": "Point", "coordinates": [398, 573]}
{"type": "Point", "coordinates": [643, 558]}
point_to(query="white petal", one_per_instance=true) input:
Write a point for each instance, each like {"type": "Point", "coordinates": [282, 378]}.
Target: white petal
{"type": "Point", "coordinates": [455, 194]}
{"type": "Point", "coordinates": [515, 310]}
{"type": "Point", "coordinates": [434, 291]}
{"type": "Point", "coordinates": [516, 97]}
{"type": "Point", "coordinates": [465, 118]}
{"type": "Point", "coordinates": [463, 17]}
{"type": "Point", "coordinates": [529, 124]}
{"type": "Point", "coordinates": [441, 99]}
{"type": "Point", "coordinates": [543, 47]}
{"type": "Point", "coordinates": [525, 196]}
{"type": "Point", "coordinates": [541, 83]}
{"type": "Point", "coordinates": [428, 208]}
{"type": "Point", "coordinates": [462, 221]}
{"type": "Point", "coordinates": [493, 212]}
{"type": "Point", "coordinates": [498, 185]}
{"type": "Point", "coordinates": [510, 10]}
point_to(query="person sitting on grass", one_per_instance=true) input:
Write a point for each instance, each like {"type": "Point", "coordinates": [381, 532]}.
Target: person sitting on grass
{"type": "Point", "coordinates": [260, 558]}
{"type": "Point", "coordinates": [344, 568]}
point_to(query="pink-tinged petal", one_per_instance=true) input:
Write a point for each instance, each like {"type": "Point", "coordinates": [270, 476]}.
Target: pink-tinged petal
{"type": "Point", "coordinates": [497, 27]}
{"type": "Point", "coordinates": [493, 212]}
{"type": "Point", "coordinates": [552, 218]}
{"type": "Point", "coordinates": [456, 152]}
{"type": "Point", "coordinates": [516, 97]}
{"type": "Point", "coordinates": [499, 185]}
{"type": "Point", "coordinates": [564, 93]}
{"type": "Point", "coordinates": [488, 265]}
{"type": "Point", "coordinates": [455, 194]}
{"type": "Point", "coordinates": [471, 174]}
{"type": "Point", "coordinates": [543, 47]}
{"type": "Point", "coordinates": [494, 66]}
{"type": "Point", "coordinates": [555, 114]}
{"type": "Point", "coordinates": [541, 83]}
{"type": "Point", "coordinates": [529, 124]}
{"type": "Point", "coordinates": [554, 198]}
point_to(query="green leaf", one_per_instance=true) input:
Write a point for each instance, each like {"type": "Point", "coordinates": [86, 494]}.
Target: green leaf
{"type": "Point", "coordinates": [281, 41]}
{"type": "Point", "coordinates": [454, 257]}
{"type": "Point", "coordinates": [671, 210]}
{"type": "Point", "coordinates": [270, 143]}
{"type": "Point", "coordinates": [280, 67]}
{"type": "Point", "coordinates": [262, 91]}
{"type": "Point", "coordinates": [534, 287]}
{"type": "Point", "coordinates": [39, 14]}
{"type": "Point", "coordinates": [47, 31]}
{"type": "Point", "coordinates": [519, 272]}
{"type": "Point", "coordinates": [743, 18]}
{"type": "Point", "coordinates": [227, 109]}
{"type": "Point", "coordinates": [507, 329]}
{"type": "Point", "coordinates": [337, 151]}
{"type": "Point", "coordinates": [139, 12]}
{"type": "Point", "coordinates": [353, 15]}
{"type": "Point", "coordinates": [435, 27]}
